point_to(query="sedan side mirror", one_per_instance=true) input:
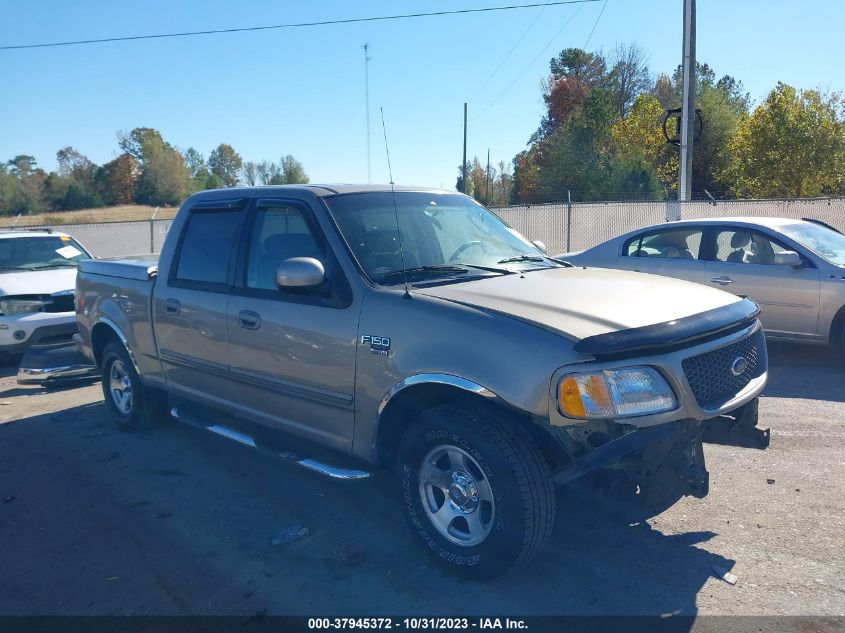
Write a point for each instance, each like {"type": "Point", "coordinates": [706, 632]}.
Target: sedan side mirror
{"type": "Point", "coordinates": [788, 258]}
{"type": "Point", "coordinates": [540, 245]}
{"type": "Point", "coordinates": [300, 272]}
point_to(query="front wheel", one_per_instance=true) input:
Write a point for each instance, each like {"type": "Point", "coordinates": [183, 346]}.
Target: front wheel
{"type": "Point", "coordinates": [476, 489]}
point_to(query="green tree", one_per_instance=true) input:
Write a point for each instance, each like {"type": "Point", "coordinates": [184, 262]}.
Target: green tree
{"type": "Point", "coordinates": [24, 189]}
{"type": "Point", "coordinates": [293, 172]}
{"type": "Point", "coordinates": [76, 179]}
{"type": "Point", "coordinates": [225, 163]}
{"type": "Point", "coordinates": [164, 177]}
{"type": "Point", "coordinates": [201, 177]}
{"type": "Point", "coordinates": [133, 142]}
{"type": "Point", "coordinates": [575, 63]}
{"type": "Point", "coordinates": [575, 157]}
{"type": "Point", "coordinates": [639, 135]}
{"type": "Point", "coordinates": [792, 145]}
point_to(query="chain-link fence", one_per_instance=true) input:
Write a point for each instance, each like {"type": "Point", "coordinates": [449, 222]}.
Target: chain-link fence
{"type": "Point", "coordinates": [116, 239]}
{"type": "Point", "coordinates": [562, 227]}
{"type": "Point", "coordinates": [569, 227]}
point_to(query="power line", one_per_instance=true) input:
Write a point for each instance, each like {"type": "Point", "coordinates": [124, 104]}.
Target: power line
{"type": "Point", "coordinates": [553, 106]}
{"type": "Point", "coordinates": [510, 52]}
{"type": "Point", "coordinates": [530, 64]}
{"type": "Point", "coordinates": [295, 25]}
{"type": "Point", "coordinates": [601, 13]}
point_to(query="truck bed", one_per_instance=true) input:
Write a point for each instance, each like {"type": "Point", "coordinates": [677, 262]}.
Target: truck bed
{"type": "Point", "coordinates": [140, 267]}
{"type": "Point", "coordinates": [118, 293]}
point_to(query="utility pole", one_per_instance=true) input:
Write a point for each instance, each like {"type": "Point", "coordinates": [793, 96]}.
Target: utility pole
{"type": "Point", "coordinates": [688, 109]}
{"type": "Point", "coordinates": [367, 93]}
{"type": "Point", "coordinates": [464, 164]}
{"type": "Point", "coordinates": [487, 194]}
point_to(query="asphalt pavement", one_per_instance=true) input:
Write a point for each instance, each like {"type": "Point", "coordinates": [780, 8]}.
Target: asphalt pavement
{"type": "Point", "coordinates": [176, 521]}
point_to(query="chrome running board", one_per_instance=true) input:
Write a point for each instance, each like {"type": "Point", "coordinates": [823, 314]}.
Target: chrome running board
{"type": "Point", "coordinates": [335, 472]}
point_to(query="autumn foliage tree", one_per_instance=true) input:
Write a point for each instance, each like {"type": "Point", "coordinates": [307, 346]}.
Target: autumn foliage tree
{"type": "Point", "coordinates": [792, 145]}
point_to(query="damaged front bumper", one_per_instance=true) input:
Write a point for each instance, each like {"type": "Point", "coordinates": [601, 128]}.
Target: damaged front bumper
{"type": "Point", "coordinates": [55, 366]}
{"type": "Point", "coordinates": [663, 463]}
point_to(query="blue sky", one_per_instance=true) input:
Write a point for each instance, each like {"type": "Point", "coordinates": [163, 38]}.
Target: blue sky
{"type": "Point", "coordinates": [301, 91]}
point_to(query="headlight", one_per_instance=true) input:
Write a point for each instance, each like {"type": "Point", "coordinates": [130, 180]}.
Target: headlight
{"type": "Point", "coordinates": [20, 306]}
{"type": "Point", "coordinates": [615, 393]}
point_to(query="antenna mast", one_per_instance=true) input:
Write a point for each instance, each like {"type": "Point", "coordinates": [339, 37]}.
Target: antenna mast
{"type": "Point", "coordinates": [407, 294]}
{"type": "Point", "coordinates": [366, 48]}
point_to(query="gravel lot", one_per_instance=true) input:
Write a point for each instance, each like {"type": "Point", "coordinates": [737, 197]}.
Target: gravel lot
{"type": "Point", "coordinates": [175, 521]}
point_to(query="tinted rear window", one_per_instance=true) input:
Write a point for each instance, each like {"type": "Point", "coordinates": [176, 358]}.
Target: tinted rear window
{"type": "Point", "coordinates": [207, 247]}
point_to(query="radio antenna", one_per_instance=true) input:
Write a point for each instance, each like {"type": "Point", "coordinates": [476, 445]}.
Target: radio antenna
{"type": "Point", "coordinates": [407, 294]}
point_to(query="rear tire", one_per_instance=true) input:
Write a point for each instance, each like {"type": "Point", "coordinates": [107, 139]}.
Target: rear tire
{"type": "Point", "coordinates": [475, 489]}
{"type": "Point", "coordinates": [130, 403]}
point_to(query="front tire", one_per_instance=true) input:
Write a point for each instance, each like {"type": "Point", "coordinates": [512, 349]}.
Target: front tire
{"type": "Point", "coordinates": [129, 402]}
{"type": "Point", "coordinates": [475, 489]}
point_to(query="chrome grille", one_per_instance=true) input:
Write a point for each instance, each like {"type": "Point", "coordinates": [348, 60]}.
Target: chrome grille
{"type": "Point", "coordinates": [711, 378]}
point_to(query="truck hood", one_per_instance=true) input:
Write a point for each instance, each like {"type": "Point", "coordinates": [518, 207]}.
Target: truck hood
{"type": "Point", "coordinates": [586, 302]}
{"type": "Point", "coordinates": [37, 282]}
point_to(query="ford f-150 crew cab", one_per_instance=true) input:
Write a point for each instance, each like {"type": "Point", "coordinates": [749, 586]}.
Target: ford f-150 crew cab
{"type": "Point", "coordinates": [351, 328]}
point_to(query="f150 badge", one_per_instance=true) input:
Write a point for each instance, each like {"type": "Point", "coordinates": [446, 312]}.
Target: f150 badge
{"type": "Point", "coordinates": [378, 344]}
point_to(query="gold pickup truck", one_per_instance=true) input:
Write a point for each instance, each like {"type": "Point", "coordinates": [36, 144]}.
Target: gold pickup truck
{"type": "Point", "coordinates": [353, 329]}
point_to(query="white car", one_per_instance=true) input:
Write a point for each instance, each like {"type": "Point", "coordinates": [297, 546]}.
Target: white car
{"type": "Point", "coordinates": [793, 269]}
{"type": "Point", "coordinates": [37, 280]}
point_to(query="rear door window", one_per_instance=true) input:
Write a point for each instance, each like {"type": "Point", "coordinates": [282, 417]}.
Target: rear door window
{"type": "Point", "coordinates": [669, 244]}
{"type": "Point", "coordinates": [207, 248]}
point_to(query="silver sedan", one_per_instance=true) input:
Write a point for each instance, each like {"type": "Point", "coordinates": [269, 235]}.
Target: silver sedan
{"type": "Point", "coordinates": [793, 269]}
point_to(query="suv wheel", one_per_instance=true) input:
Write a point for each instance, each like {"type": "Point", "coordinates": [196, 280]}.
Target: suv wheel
{"type": "Point", "coordinates": [127, 399]}
{"type": "Point", "coordinates": [476, 489]}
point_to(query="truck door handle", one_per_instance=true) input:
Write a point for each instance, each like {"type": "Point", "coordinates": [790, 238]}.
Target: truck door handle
{"type": "Point", "coordinates": [171, 306]}
{"type": "Point", "coordinates": [249, 319]}
{"type": "Point", "coordinates": [722, 281]}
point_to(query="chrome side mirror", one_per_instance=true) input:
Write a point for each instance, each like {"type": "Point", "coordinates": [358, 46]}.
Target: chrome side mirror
{"type": "Point", "coordinates": [300, 272]}
{"type": "Point", "coordinates": [788, 258]}
{"type": "Point", "coordinates": [540, 245]}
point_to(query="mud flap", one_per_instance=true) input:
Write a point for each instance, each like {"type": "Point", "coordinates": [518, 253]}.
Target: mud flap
{"type": "Point", "coordinates": [738, 428]}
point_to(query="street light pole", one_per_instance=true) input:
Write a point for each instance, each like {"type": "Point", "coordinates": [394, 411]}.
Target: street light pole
{"type": "Point", "coordinates": [688, 109]}
{"type": "Point", "coordinates": [464, 164]}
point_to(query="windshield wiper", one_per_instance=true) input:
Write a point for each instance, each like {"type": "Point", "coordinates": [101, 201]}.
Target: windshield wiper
{"type": "Point", "coordinates": [533, 258]}
{"type": "Point", "coordinates": [522, 258]}
{"type": "Point", "coordinates": [490, 269]}
{"type": "Point", "coordinates": [47, 266]}
{"type": "Point", "coordinates": [429, 270]}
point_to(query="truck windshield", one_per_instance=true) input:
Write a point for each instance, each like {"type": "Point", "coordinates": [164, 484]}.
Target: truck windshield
{"type": "Point", "coordinates": [440, 233]}
{"type": "Point", "coordinates": [819, 239]}
{"type": "Point", "coordinates": [40, 253]}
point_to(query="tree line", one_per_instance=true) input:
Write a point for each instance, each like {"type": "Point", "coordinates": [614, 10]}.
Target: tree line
{"type": "Point", "coordinates": [602, 137]}
{"type": "Point", "coordinates": [149, 170]}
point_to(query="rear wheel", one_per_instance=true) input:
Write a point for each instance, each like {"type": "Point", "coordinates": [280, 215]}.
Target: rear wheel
{"type": "Point", "coordinates": [129, 402]}
{"type": "Point", "coordinates": [476, 490]}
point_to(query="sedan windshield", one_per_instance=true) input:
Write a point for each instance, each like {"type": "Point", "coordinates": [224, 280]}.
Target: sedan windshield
{"type": "Point", "coordinates": [821, 240]}
{"type": "Point", "coordinates": [442, 235]}
{"type": "Point", "coordinates": [40, 253]}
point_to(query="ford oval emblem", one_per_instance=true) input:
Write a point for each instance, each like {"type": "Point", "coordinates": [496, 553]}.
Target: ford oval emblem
{"type": "Point", "coordinates": [739, 365]}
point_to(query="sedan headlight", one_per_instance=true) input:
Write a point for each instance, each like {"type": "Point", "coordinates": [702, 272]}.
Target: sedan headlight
{"type": "Point", "coordinates": [615, 393]}
{"type": "Point", "coordinates": [21, 306]}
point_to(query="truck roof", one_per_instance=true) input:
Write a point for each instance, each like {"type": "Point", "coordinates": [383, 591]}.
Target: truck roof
{"type": "Point", "coordinates": [320, 190]}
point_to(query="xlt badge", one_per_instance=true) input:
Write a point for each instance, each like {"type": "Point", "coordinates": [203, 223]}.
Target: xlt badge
{"type": "Point", "coordinates": [378, 344]}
